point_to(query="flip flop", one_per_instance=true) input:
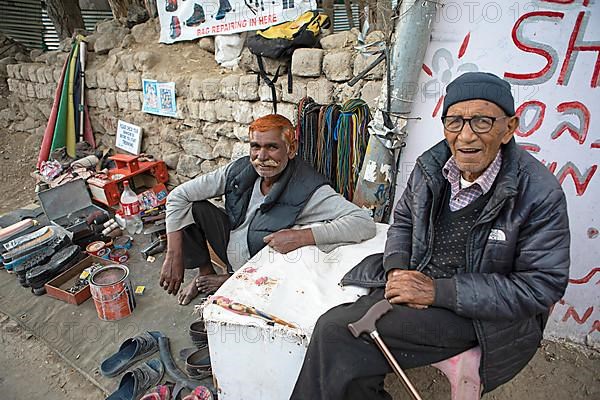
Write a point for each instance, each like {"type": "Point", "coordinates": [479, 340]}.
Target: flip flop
{"type": "Point", "coordinates": [161, 392]}
{"type": "Point", "coordinates": [198, 333]}
{"type": "Point", "coordinates": [200, 393]}
{"type": "Point", "coordinates": [136, 382]}
{"type": "Point", "coordinates": [130, 351]}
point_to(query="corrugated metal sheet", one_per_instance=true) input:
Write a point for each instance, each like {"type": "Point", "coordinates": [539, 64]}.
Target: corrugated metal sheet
{"type": "Point", "coordinates": [21, 20]}
{"type": "Point", "coordinates": [340, 18]}
{"type": "Point", "coordinates": [90, 19]}
{"type": "Point", "coordinates": [26, 22]}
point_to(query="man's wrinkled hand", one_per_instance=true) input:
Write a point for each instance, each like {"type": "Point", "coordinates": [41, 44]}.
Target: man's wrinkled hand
{"type": "Point", "coordinates": [287, 240]}
{"type": "Point", "coordinates": [171, 274]}
{"type": "Point", "coordinates": [412, 288]}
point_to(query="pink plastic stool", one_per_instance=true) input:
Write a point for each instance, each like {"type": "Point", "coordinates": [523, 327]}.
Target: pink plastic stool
{"type": "Point", "coordinates": [462, 372]}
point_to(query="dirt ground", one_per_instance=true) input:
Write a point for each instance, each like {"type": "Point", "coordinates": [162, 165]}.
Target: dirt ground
{"type": "Point", "coordinates": [31, 370]}
{"type": "Point", "coordinates": [18, 155]}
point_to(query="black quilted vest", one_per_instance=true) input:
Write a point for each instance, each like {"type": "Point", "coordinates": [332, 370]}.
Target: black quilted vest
{"type": "Point", "coordinates": [282, 205]}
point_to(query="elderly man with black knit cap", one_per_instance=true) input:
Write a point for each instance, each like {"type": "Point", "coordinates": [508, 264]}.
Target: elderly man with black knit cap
{"type": "Point", "coordinates": [477, 254]}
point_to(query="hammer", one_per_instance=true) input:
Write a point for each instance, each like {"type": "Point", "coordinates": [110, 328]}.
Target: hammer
{"type": "Point", "coordinates": [367, 325]}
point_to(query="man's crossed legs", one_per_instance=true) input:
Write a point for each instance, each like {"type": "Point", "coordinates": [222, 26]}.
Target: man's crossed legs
{"type": "Point", "coordinates": [212, 226]}
{"type": "Point", "coordinates": [339, 366]}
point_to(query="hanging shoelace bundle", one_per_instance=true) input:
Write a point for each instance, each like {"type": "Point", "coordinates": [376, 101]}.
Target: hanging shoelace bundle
{"type": "Point", "coordinates": [333, 140]}
{"type": "Point", "coordinates": [308, 121]}
{"type": "Point", "coordinates": [352, 138]}
{"type": "Point", "coordinates": [329, 150]}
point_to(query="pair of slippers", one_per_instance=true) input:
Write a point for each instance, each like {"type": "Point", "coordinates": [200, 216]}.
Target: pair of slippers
{"type": "Point", "coordinates": [139, 380]}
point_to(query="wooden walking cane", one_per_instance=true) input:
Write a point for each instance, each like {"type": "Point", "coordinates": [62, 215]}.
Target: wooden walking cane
{"type": "Point", "coordinates": [367, 325]}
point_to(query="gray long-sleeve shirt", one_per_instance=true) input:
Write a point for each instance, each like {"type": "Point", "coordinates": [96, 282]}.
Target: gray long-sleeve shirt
{"type": "Point", "coordinates": [341, 222]}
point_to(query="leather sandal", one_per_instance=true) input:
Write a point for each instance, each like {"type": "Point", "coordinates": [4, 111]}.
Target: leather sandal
{"type": "Point", "coordinates": [181, 379]}
{"type": "Point", "coordinates": [197, 331]}
{"type": "Point", "coordinates": [197, 364]}
{"type": "Point", "coordinates": [130, 351]}
{"type": "Point", "coordinates": [136, 382]}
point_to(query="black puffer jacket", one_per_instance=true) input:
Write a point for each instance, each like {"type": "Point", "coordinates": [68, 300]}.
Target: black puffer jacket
{"type": "Point", "coordinates": [517, 255]}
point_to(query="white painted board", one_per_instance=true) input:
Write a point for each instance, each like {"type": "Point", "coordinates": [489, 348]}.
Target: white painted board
{"type": "Point", "coordinates": [254, 360]}
{"type": "Point", "coordinates": [556, 90]}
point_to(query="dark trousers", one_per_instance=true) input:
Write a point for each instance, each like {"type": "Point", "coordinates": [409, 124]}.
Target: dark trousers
{"type": "Point", "coordinates": [211, 225]}
{"type": "Point", "coordinates": [339, 366]}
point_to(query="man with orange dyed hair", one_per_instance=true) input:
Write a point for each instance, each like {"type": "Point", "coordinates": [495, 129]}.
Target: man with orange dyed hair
{"type": "Point", "coordinates": [266, 194]}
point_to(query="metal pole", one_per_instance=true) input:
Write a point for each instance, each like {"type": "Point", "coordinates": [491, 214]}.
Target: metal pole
{"type": "Point", "coordinates": [376, 185]}
{"type": "Point", "coordinates": [411, 39]}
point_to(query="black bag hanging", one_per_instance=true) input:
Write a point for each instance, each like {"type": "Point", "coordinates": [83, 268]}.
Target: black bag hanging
{"type": "Point", "coordinates": [279, 42]}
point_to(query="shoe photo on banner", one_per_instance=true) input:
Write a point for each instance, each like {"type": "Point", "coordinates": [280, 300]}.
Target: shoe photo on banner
{"type": "Point", "coordinates": [197, 16]}
{"type": "Point", "coordinates": [224, 8]}
{"type": "Point", "coordinates": [171, 6]}
{"type": "Point", "coordinates": [175, 28]}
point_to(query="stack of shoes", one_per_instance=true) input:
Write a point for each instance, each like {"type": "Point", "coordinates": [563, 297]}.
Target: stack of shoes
{"type": "Point", "coordinates": [60, 261]}
{"type": "Point", "coordinates": [17, 230]}
{"type": "Point", "coordinates": [197, 359]}
{"type": "Point", "coordinates": [41, 257]}
{"type": "Point", "coordinates": [137, 381]}
{"type": "Point", "coordinates": [18, 264]}
{"type": "Point", "coordinates": [23, 247]}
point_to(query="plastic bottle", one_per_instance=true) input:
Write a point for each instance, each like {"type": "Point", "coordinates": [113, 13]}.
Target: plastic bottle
{"type": "Point", "coordinates": [130, 206]}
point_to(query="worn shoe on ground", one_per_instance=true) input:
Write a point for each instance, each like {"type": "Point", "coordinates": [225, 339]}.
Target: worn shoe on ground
{"type": "Point", "coordinates": [130, 351]}
{"type": "Point", "coordinates": [136, 382]}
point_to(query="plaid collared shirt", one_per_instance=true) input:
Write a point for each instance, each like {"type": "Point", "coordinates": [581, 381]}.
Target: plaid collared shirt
{"type": "Point", "coordinates": [460, 198]}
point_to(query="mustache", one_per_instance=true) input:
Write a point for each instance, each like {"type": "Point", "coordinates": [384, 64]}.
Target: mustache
{"type": "Point", "coordinates": [266, 163]}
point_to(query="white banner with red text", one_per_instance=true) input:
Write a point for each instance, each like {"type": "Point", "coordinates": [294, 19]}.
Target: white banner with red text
{"type": "Point", "coordinates": [192, 19]}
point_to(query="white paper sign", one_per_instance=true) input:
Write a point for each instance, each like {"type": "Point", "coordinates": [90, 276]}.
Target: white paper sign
{"type": "Point", "coordinates": [159, 98]}
{"type": "Point", "coordinates": [129, 137]}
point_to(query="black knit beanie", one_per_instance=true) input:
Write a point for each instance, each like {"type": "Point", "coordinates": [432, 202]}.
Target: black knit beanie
{"type": "Point", "coordinates": [480, 85]}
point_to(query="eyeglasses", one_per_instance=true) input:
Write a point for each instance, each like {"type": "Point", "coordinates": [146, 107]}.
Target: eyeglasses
{"type": "Point", "coordinates": [478, 124]}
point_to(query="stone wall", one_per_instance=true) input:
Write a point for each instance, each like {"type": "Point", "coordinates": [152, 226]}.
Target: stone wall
{"type": "Point", "coordinates": [214, 105]}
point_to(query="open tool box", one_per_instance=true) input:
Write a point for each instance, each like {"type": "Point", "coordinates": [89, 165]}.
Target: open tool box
{"type": "Point", "coordinates": [59, 287]}
{"type": "Point", "coordinates": [142, 176]}
{"type": "Point", "coordinates": [69, 205]}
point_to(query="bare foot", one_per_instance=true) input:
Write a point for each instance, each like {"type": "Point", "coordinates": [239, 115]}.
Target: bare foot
{"type": "Point", "coordinates": [208, 284]}
{"type": "Point", "coordinates": [187, 294]}
{"type": "Point", "coordinates": [190, 292]}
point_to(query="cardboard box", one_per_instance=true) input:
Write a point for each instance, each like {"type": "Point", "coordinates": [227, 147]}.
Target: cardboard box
{"type": "Point", "coordinates": [69, 205]}
{"type": "Point", "coordinates": [59, 285]}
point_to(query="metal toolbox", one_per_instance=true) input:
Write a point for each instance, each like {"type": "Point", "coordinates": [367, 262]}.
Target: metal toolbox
{"type": "Point", "coordinates": [69, 205]}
